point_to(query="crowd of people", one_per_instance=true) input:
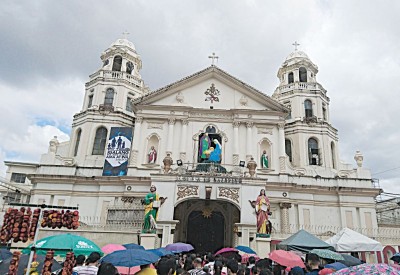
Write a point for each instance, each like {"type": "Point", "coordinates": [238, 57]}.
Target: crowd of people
{"type": "Point", "coordinates": [209, 264]}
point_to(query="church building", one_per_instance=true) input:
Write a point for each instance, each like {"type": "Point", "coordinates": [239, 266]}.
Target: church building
{"type": "Point", "coordinates": [215, 128]}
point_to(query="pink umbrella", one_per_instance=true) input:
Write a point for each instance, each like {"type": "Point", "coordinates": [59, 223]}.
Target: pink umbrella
{"type": "Point", "coordinates": [225, 250]}
{"type": "Point", "coordinates": [245, 257]}
{"type": "Point", "coordinates": [127, 271]}
{"type": "Point", "coordinates": [110, 248]}
{"type": "Point", "coordinates": [286, 258]}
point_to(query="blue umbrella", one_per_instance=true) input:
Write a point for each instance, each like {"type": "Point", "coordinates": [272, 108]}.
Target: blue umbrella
{"type": "Point", "coordinates": [5, 254]}
{"type": "Point", "coordinates": [245, 249]}
{"type": "Point", "coordinates": [130, 257]}
{"type": "Point", "coordinates": [133, 246]}
{"type": "Point", "coordinates": [160, 251]}
{"type": "Point", "coordinates": [336, 266]}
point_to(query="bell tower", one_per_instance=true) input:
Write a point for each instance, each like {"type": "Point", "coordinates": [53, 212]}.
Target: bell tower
{"type": "Point", "coordinates": [108, 102]}
{"type": "Point", "coordinates": [310, 139]}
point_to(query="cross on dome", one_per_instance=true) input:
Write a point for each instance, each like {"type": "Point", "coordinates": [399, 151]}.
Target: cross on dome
{"type": "Point", "coordinates": [213, 56]}
{"type": "Point", "coordinates": [295, 44]}
{"type": "Point", "coordinates": [125, 34]}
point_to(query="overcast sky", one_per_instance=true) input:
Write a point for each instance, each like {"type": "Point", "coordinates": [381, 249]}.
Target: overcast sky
{"type": "Point", "coordinates": [49, 48]}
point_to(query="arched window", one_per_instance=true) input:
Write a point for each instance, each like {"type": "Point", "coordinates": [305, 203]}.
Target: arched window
{"type": "Point", "coordinates": [78, 139]}
{"type": "Point", "coordinates": [117, 63]}
{"type": "Point", "coordinates": [333, 155]}
{"type": "Point", "coordinates": [290, 78]}
{"type": "Point", "coordinates": [308, 108]}
{"type": "Point", "coordinates": [108, 100]}
{"type": "Point", "coordinates": [313, 152]}
{"type": "Point", "coordinates": [303, 74]}
{"type": "Point", "coordinates": [100, 141]}
{"type": "Point", "coordinates": [288, 149]}
{"type": "Point", "coordinates": [129, 67]}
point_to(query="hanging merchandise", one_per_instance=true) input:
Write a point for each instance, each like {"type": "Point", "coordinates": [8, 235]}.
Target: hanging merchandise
{"type": "Point", "coordinates": [48, 262]}
{"type": "Point", "coordinates": [69, 264]}
{"type": "Point", "coordinates": [58, 219]}
{"type": "Point", "coordinates": [13, 268]}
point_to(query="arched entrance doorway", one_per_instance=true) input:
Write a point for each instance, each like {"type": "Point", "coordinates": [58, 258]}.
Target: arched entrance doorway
{"type": "Point", "coordinates": [206, 224]}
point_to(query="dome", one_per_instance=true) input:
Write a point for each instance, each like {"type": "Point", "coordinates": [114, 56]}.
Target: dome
{"type": "Point", "coordinates": [297, 54]}
{"type": "Point", "coordinates": [123, 42]}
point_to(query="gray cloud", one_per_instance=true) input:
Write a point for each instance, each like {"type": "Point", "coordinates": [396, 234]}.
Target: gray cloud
{"type": "Point", "coordinates": [50, 47]}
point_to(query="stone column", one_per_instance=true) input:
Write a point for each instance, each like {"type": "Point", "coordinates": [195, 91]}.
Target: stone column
{"type": "Point", "coordinates": [182, 155]}
{"type": "Point", "coordinates": [171, 122]}
{"type": "Point", "coordinates": [249, 141]}
{"type": "Point", "coordinates": [282, 153]}
{"type": "Point", "coordinates": [285, 216]}
{"type": "Point", "coordinates": [235, 143]}
{"type": "Point", "coordinates": [135, 146]}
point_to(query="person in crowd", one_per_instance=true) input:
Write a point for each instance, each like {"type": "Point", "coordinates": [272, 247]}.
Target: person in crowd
{"type": "Point", "coordinates": [296, 271]}
{"type": "Point", "coordinates": [146, 270]}
{"type": "Point", "coordinates": [166, 266]}
{"type": "Point", "coordinates": [197, 268]}
{"type": "Point", "coordinates": [252, 262]}
{"type": "Point", "coordinates": [107, 269]}
{"type": "Point", "coordinates": [79, 261]}
{"type": "Point", "coordinates": [232, 266]}
{"type": "Point", "coordinates": [313, 264]}
{"type": "Point", "coordinates": [218, 266]}
{"type": "Point", "coordinates": [91, 265]}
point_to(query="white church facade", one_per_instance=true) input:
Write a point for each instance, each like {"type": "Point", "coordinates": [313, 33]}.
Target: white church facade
{"type": "Point", "coordinates": [307, 184]}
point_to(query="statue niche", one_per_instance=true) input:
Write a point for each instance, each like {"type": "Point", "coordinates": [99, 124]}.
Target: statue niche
{"type": "Point", "coordinates": [210, 152]}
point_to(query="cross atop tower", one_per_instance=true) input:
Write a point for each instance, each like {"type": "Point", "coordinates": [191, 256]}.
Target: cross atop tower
{"type": "Point", "coordinates": [125, 34]}
{"type": "Point", "coordinates": [213, 56]}
{"type": "Point", "coordinates": [295, 44]}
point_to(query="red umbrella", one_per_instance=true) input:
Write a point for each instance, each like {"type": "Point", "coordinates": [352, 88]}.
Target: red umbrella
{"type": "Point", "coordinates": [286, 258]}
{"type": "Point", "coordinates": [225, 250]}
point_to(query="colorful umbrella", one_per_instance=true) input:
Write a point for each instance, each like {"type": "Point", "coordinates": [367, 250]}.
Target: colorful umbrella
{"type": "Point", "coordinates": [179, 247]}
{"type": "Point", "coordinates": [129, 270]}
{"type": "Point", "coordinates": [160, 251]}
{"type": "Point", "coordinates": [336, 266]}
{"type": "Point", "coordinates": [245, 249]}
{"type": "Point", "coordinates": [133, 246]}
{"type": "Point", "coordinates": [370, 269]}
{"type": "Point", "coordinates": [130, 258]}
{"type": "Point", "coordinates": [286, 258]}
{"type": "Point", "coordinates": [226, 250]}
{"type": "Point", "coordinates": [61, 244]}
{"type": "Point", "coordinates": [350, 260]}
{"type": "Point", "coordinates": [23, 263]}
{"type": "Point", "coordinates": [110, 248]}
{"type": "Point", "coordinates": [327, 254]}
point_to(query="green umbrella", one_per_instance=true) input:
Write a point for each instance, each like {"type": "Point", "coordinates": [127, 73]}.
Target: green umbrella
{"type": "Point", "coordinates": [61, 244]}
{"type": "Point", "coordinates": [327, 254]}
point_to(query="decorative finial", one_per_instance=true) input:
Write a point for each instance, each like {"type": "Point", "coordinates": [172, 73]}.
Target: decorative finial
{"type": "Point", "coordinates": [125, 34]}
{"type": "Point", "coordinates": [213, 57]}
{"type": "Point", "coordinates": [295, 44]}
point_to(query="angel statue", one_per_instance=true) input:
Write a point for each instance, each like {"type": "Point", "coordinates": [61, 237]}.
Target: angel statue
{"type": "Point", "coordinates": [262, 208]}
{"type": "Point", "coordinates": [152, 202]}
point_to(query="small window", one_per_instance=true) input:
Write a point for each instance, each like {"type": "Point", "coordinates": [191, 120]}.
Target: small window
{"type": "Point", "coordinates": [78, 139]}
{"type": "Point", "coordinates": [18, 177]}
{"type": "Point", "coordinates": [129, 104]}
{"type": "Point", "coordinates": [108, 100]}
{"type": "Point", "coordinates": [117, 63]}
{"type": "Point", "coordinates": [100, 141]}
{"type": "Point", "coordinates": [129, 67]}
{"type": "Point", "coordinates": [288, 149]}
{"type": "Point", "coordinates": [333, 155]}
{"type": "Point", "coordinates": [324, 113]}
{"type": "Point", "coordinates": [308, 108]}
{"type": "Point", "coordinates": [290, 78]}
{"type": "Point", "coordinates": [313, 152]}
{"type": "Point", "coordinates": [90, 101]}
{"type": "Point", "coordinates": [303, 74]}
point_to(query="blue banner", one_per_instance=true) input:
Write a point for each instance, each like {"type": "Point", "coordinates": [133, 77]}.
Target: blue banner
{"type": "Point", "coordinates": [118, 151]}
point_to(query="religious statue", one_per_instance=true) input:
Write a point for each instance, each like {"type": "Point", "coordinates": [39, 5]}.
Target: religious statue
{"type": "Point", "coordinates": [152, 202]}
{"type": "Point", "coordinates": [152, 155]}
{"type": "Point", "coordinates": [204, 145]}
{"type": "Point", "coordinates": [215, 155]}
{"type": "Point", "coordinates": [252, 165]}
{"type": "Point", "coordinates": [262, 208]}
{"type": "Point", "coordinates": [264, 160]}
{"type": "Point", "coordinates": [167, 163]}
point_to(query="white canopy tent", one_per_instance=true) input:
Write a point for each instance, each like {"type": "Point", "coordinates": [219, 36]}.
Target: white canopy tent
{"type": "Point", "coordinates": [348, 240]}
